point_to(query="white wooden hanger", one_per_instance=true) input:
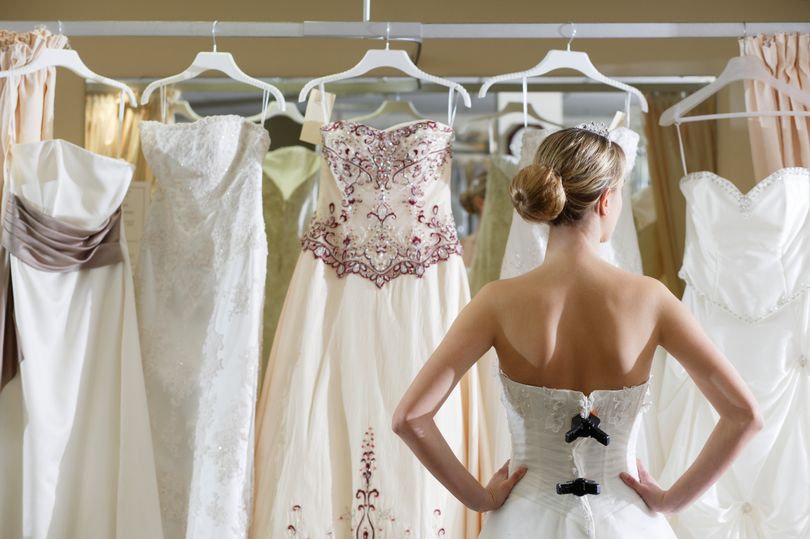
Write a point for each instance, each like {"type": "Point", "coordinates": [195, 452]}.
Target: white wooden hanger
{"type": "Point", "coordinates": [739, 68]}
{"type": "Point", "coordinates": [213, 61]}
{"type": "Point", "coordinates": [69, 59]}
{"type": "Point", "coordinates": [567, 59]}
{"type": "Point", "coordinates": [274, 109]}
{"type": "Point", "coordinates": [397, 59]}
{"type": "Point", "coordinates": [392, 107]}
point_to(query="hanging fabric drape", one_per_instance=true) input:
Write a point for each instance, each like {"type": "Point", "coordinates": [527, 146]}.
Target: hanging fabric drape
{"type": "Point", "coordinates": [785, 141]}
{"type": "Point", "coordinates": [101, 129]}
{"type": "Point", "coordinates": [666, 170]}
{"type": "Point", "coordinates": [34, 92]}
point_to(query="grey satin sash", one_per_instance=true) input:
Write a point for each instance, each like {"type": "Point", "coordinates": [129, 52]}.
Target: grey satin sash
{"type": "Point", "coordinates": [48, 244]}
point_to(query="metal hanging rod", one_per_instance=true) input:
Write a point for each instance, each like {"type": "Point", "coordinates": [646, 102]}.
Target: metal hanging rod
{"type": "Point", "coordinates": [411, 31]}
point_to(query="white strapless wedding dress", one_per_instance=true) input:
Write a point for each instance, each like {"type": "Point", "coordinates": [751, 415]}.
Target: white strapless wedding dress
{"type": "Point", "coordinates": [747, 271]}
{"type": "Point", "coordinates": [539, 422]}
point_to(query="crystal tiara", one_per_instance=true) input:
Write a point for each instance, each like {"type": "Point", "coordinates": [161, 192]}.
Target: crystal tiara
{"type": "Point", "coordinates": [597, 128]}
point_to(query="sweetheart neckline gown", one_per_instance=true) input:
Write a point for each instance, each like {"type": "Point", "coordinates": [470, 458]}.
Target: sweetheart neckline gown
{"type": "Point", "coordinates": [378, 282]}
{"type": "Point", "coordinates": [746, 266]}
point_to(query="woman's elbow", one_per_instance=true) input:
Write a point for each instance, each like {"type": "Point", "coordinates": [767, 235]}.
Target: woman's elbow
{"type": "Point", "coordinates": [399, 422]}
{"type": "Point", "coordinates": [757, 422]}
{"type": "Point", "coordinates": [750, 418]}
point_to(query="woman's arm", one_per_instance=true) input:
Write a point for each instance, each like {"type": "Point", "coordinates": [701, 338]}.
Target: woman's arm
{"type": "Point", "coordinates": [681, 335]}
{"type": "Point", "coordinates": [470, 337]}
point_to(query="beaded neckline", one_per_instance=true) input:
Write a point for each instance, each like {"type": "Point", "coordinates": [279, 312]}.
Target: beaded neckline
{"type": "Point", "coordinates": [746, 200]}
{"type": "Point", "coordinates": [433, 124]}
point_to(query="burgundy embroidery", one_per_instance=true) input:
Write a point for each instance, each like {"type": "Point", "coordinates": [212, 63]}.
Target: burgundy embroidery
{"type": "Point", "coordinates": [366, 494]}
{"type": "Point", "coordinates": [383, 226]}
{"type": "Point", "coordinates": [365, 520]}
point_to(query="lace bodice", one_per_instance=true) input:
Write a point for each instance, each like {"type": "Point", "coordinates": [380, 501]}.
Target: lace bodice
{"type": "Point", "coordinates": [762, 238]}
{"type": "Point", "coordinates": [384, 203]}
{"type": "Point", "coordinates": [539, 418]}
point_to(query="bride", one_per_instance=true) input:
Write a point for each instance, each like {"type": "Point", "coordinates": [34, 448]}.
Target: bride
{"type": "Point", "coordinates": [579, 323]}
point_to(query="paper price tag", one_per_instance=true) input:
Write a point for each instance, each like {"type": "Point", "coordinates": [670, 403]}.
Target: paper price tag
{"type": "Point", "coordinates": [618, 118]}
{"type": "Point", "coordinates": [314, 117]}
{"type": "Point", "coordinates": [135, 209]}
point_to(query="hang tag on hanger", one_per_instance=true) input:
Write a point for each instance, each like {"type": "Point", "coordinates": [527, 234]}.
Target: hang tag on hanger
{"type": "Point", "coordinates": [618, 118]}
{"type": "Point", "coordinates": [318, 113]}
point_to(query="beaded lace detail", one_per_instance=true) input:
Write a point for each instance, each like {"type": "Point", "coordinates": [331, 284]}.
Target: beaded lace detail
{"type": "Point", "coordinates": [746, 200]}
{"type": "Point", "coordinates": [747, 203]}
{"type": "Point", "coordinates": [553, 406]}
{"type": "Point", "coordinates": [200, 298]}
{"type": "Point", "coordinates": [391, 215]}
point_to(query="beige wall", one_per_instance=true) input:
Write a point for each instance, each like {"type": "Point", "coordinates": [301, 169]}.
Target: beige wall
{"type": "Point", "coordinates": [152, 57]}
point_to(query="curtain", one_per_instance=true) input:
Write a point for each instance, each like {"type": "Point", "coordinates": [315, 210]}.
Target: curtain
{"type": "Point", "coordinates": [29, 102]}
{"type": "Point", "coordinates": [778, 142]}
{"type": "Point", "coordinates": [101, 129]}
{"type": "Point", "coordinates": [666, 170]}
{"type": "Point", "coordinates": [31, 98]}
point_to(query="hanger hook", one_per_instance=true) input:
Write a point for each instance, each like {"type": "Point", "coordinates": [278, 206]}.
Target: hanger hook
{"type": "Point", "coordinates": [387, 34]}
{"type": "Point", "coordinates": [214, 34]}
{"type": "Point", "coordinates": [59, 26]}
{"type": "Point", "coordinates": [745, 30]}
{"type": "Point", "coordinates": [573, 34]}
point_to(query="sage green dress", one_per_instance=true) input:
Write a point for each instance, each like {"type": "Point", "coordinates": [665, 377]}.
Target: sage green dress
{"type": "Point", "coordinates": [289, 196]}
{"type": "Point", "coordinates": [496, 219]}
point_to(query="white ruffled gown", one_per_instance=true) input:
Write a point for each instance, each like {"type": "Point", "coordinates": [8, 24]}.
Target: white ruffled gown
{"type": "Point", "coordinates": [747, 269]}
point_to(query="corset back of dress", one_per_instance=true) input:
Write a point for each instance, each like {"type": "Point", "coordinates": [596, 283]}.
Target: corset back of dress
{"type": "Point", "coordinates": [538, 421]}
{"type": "Point", "coordinates": [384, 205]}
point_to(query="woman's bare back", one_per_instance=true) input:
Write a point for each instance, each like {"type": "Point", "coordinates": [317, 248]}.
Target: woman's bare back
{"type": "Point", "coordinates": [576, 323]}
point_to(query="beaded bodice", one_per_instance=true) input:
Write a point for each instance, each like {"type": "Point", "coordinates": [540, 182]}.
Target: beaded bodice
{"type": "Point", "coordinates": [384, 203]}
{"type": "Point", "coordinates": [761, 238]}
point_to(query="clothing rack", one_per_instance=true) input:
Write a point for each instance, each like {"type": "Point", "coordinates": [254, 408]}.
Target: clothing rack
{"type": "Point", "coordinates": [409, 31]}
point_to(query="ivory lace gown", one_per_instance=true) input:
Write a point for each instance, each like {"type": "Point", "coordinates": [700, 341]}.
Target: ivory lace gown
{"type": "Point", "coordinates": [378, 283]}
{"type": "Point", "coordinates": [202, 270]}
{"type": "Point", "coordinates": [747, 270]}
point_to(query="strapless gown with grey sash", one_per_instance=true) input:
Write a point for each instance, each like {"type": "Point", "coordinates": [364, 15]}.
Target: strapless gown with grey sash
{"type": "Point", "coordinates": [70, 339]}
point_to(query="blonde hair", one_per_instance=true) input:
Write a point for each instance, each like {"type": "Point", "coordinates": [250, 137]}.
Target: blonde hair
{"type": "Point", "coordinates": [477, 188]}
{"type": "Point", "coordinates": [571, 170]}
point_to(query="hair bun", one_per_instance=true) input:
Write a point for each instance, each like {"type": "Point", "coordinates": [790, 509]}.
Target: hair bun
{"type": "Point", "coordinates": [537, 193]}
